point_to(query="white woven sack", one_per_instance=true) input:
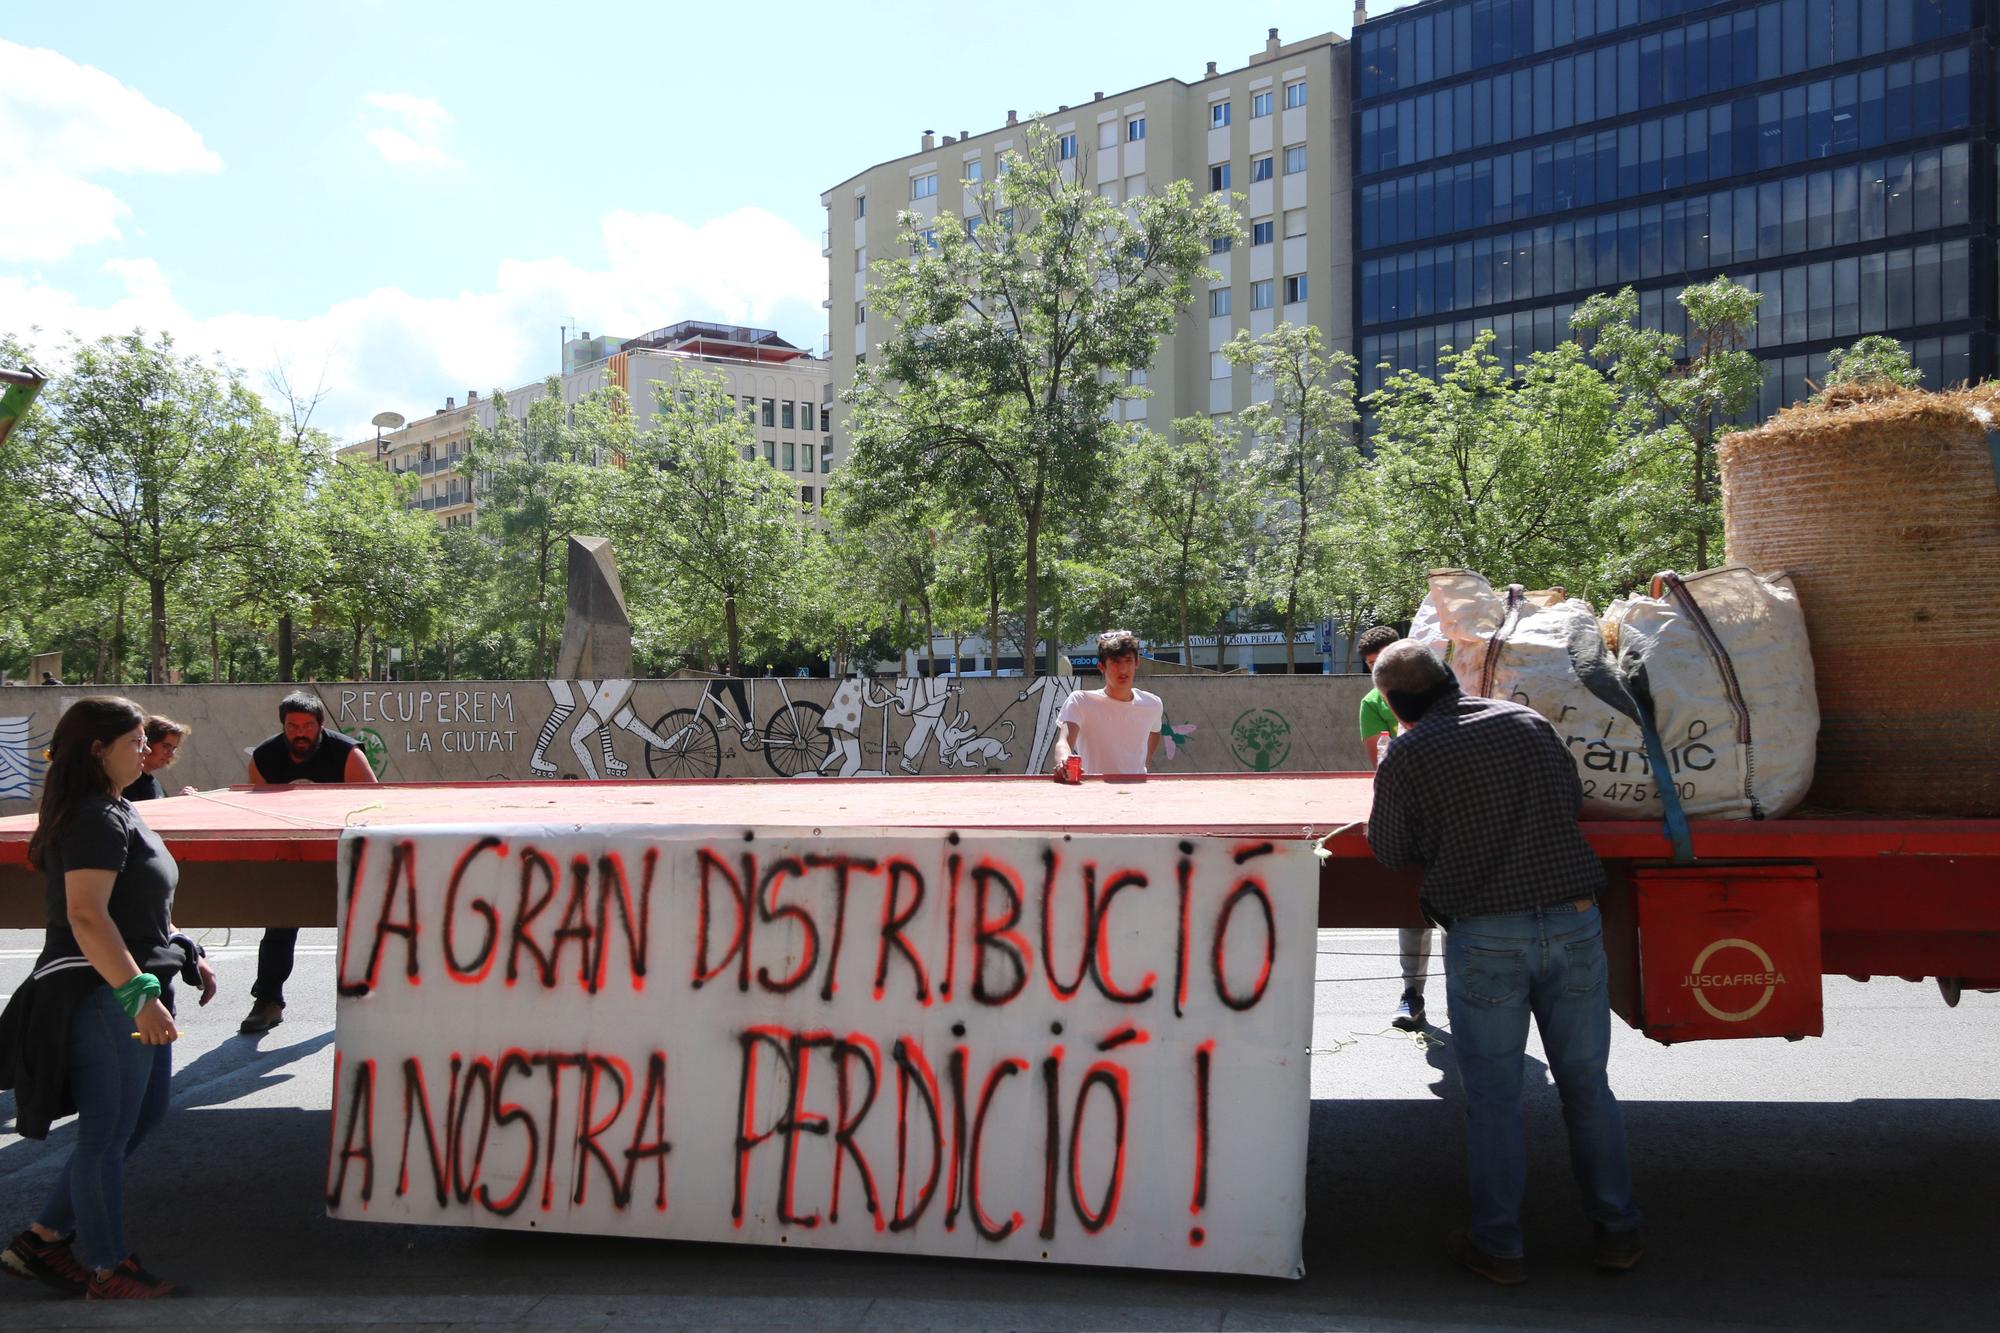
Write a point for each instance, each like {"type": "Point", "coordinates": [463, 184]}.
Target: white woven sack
{"type": "Point", "coordinates": [1551, 655]}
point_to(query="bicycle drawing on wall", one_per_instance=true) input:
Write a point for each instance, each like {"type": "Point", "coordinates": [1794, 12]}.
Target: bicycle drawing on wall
{"type": "Point", "coordinates": [695, 740]}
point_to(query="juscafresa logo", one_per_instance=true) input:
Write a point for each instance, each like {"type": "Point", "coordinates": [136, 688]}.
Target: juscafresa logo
{"type": "Point", "coordinates": [1700, 981]}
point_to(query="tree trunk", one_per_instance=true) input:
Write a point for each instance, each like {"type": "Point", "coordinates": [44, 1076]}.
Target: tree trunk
{"type": "Point", "coordinates": [450, 655]}
{"type": "Point", "coordinates": [156, 651]}
{"type": "Point", "coordinates": [992, 614]}
{"type": "Point", "coordinates": [1031, 664]}
{"type": "Point", "coordinates": [735, 633]}
{"type": "Point", "coordinates": [214, 651]}
{"type": "Point", "coordinates": [1700, 500]}
{"type": "Point", "coordinates": [354, 670]}
{"type": "Point", "coordinates": [285, 672]}
{"type": "Point", "coordinates": [1291, 631]}
{"type": "Point", "coordinates": [117, 672]}
{"type": "Point", "coordinates": [930, 638]}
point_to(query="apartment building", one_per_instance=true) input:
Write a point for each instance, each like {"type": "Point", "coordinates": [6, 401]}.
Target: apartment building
{"type": "Point", "coordinates": [1273, 131]}
{"type": "Point", "coordinates": [1513, 157]}
{"type": "Point", "coordinates": [781, 388]}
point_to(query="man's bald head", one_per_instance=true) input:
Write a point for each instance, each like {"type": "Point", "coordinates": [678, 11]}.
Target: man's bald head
{"type": "Point", "coordinates": [1407, 667]}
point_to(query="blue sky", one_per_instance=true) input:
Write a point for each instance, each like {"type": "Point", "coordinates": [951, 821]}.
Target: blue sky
{"type": "Point", "coordinates": [408, 199]}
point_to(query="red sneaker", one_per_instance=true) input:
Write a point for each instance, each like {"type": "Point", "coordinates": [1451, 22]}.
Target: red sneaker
{"type": "Point", "coordinates": [46, 1261]}
{"type": "Point", "coordinates": [129, 1282]}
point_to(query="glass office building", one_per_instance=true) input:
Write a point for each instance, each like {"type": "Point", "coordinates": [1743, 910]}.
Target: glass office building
{"type": "Point", "coordinates": [1514, 157]}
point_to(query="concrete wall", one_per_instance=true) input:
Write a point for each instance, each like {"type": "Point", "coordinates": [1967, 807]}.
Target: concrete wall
{"type": "Point", "coordinates": [463, 730]}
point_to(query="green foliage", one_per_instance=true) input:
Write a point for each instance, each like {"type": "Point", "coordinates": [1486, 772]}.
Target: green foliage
{"type": "Point", "coordinates": [1183, 512]}
{"type": "Point", "coordinates": [1479, 471]}
{"type": "Point", "coordinates": [542, 479]}
{"type": "Point", "coordinates": [1875, 359]}
{"type": "Point", "coordinates": [1302, 455]}
{"type": "Point", "coordinates": [1009, 341]}
{"type": "Point", "coordinates": [710, 530]}
{"type": "Point", "coordinates": [145, 468]}
{"type": "Point", "coordinates": [1679, 398]}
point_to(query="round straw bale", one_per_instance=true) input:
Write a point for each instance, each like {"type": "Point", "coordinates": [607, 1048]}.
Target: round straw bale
{"type": "Point", "coordinates": [1883, 505]}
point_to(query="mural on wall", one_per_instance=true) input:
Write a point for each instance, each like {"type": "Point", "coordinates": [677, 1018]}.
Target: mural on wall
{"type": "Point", "coordinates": [20, 758]}
{"type": "Point", "coordinates": [461, 731]}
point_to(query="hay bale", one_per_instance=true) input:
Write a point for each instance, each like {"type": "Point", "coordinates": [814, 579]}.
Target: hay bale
{"type": "Point", "coordinates": [1883, 505]}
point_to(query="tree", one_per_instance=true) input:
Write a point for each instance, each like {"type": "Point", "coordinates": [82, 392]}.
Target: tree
{"type": "Point", "coordinates": [1011, 335]}
{"type": "Point", "coordinates": [722, 533]}
{"type": "Point", "coordinates": [381, 557]}
{"type": "Point", "coordinates": [1474, 470]}
{"type": "Point", "coordinates": [542, 479]}
{"type": "Point", "coordinates": [164, 462]}
{"type": "Point", "coordinates": [1685, 400]}
{"type": "Point", "coordinates": [1174, 537]}
{"type": "Point", "coordinates": [1876, 359]}
{"type": "Point", "coordinates": [1302, 452]}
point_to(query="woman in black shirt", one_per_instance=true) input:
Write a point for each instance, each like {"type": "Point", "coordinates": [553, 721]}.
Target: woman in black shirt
{"type": "Point", "coordinates": [91, 1029]}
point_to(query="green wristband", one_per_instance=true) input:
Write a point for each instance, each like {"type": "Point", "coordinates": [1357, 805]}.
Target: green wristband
{"type": "Point", "coordinates": [132, 996]}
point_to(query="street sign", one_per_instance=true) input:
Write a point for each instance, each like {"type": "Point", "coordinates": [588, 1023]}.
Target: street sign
{"type": "Point", "coordinates": [1326, 637]}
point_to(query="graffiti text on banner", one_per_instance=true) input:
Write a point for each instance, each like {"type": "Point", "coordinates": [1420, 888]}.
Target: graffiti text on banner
{"type": "Point", "coordinates": [1083, 1049]}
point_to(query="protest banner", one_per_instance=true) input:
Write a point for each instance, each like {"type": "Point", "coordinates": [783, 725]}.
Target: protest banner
{"type": "Point", "coordinates": [1032, 1046]}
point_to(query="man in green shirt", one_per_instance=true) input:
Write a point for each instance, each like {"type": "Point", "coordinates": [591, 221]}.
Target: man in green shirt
{"type": "Point", "coordinates": [1378, 728]}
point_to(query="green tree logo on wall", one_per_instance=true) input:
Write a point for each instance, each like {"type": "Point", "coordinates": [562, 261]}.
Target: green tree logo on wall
{"type": "Point", "coordinates": [374, 748]}
{"type": "Point", "coordinates": [1261, 739]}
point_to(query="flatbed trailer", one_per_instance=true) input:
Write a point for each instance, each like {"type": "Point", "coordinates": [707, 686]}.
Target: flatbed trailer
{"type": "Point", "coordinates": [1730, 945]}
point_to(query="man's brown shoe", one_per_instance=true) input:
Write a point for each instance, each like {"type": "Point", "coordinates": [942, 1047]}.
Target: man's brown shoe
{"type": "Point", "coordinates": [1616, 1251]}
{"type": "Point", "coordinates": [1506, 1272]}
{"type": "Point", "coordinates": [264, 1015]}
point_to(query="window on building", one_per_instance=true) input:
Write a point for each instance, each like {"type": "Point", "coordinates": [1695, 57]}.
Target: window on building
{"type": "Point", "coordinates": [791, 453]}
{"type": "Point", "coordinates": [1220, 245]}
{"type": "Point", "coordinates": [805, 415]}
{"type": "Point", "coordinates": [1260, 232]}
{"type": "Point", "coordinates": [1218, 176]}
{"type": "Point", "coordinates": [1260, 168]}
{"type": "Point", "coordinates": [860, 314]}
{"type": "Point", "coordinates": [825, 419]}
{"type": "Point", "coordinates": [749, 453]}
{"type": "Point", "coordinates": [927, 238]}
{"type": "Point", "coordinates": [1218, 366]}
{"type": "Point", "coordinates": [1295, 94]}
{"type": "Point", "coordinates": [1260, 295]}
{"type": "Point", "coordinates": [1295, 159]}
{"type": "Point", "coordinates": [1295, 222]}
{"type": "Point", "coordinates": [749, 409]}
{"type": "Point", "coordinates": [975, 171]}
{"type": "Point", "coordinates": [806, 496]}
{"type": "Point", "coordinates": [1218, 115]}
{"type": "Point", "coordinates": [924, 186]}
{"type": "Point", "coordinates": [860, 206]}
{"type": "Point", "coordinates": [786, 411]}
{"type": "Point", "coordinates": [771, 452]}
{"type": "Point", "coordinates": [1219, 302]}
{"type": "Point", "coordinates": [1295, 288]}
{"type": "Point", "coordinates": [1066, 147]}
{"type": "Point", "coordinates": [826, 457]}
{"type": "Point", "coordinates": [770, 415]}
{"type": "Point", "coordinates": [1260, 105]}
{"type": "Point", "coordinates": [1135, 129]}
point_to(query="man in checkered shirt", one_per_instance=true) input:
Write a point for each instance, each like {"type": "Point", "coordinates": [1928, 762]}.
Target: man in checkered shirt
{"type": "Point", "coordinates": [1482, 795]}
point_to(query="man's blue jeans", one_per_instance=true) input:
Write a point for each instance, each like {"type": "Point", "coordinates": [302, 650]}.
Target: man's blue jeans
{"type": "Point", "coordinates": [1498, 970]}
{"type": "Point", "coordinates": [121, 1088]}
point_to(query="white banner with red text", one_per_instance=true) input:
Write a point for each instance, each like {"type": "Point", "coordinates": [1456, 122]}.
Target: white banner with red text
{"type": "Point", "coordinates": [1031, 1046]}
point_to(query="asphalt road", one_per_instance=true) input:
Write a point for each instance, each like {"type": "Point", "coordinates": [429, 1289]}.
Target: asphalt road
{"type": "Point", "coordinates": [1849, 1182]}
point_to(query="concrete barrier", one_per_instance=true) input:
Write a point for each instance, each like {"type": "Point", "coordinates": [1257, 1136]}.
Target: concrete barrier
{"type": "Point", "coordinates": [442, 731]}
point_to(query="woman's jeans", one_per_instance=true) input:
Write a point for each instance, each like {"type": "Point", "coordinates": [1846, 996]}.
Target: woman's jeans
{"type": "Point", "coordinates": [1498, 970]}
{"type": "Point", "coordinates": [121, 1088]}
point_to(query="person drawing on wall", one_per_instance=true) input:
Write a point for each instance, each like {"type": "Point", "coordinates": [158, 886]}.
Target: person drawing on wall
{"type": "Point", "coordinates": [610, 705]}
{"type": "Point", "coordinates": [1050, 693]}
{"type": "Point", "coordinates": [842, 722]}
{"type": "Point", "coordinates": [923, 698]}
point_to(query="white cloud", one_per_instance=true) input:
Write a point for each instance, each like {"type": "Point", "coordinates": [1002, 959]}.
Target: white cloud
{"type": "Point", "coordinates": [417, 138]}
{"type": "Point", "coordinates": [390, 349]}
{"type": "Point", "coordinates": [61, 124]}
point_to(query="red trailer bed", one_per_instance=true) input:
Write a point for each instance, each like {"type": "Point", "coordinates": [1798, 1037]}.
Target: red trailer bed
{"type": "Point", "coordinates": [1807, 896]}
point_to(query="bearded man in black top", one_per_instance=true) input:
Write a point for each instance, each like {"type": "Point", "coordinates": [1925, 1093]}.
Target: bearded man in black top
{"type": "Point", "coordinates": [304, 751]}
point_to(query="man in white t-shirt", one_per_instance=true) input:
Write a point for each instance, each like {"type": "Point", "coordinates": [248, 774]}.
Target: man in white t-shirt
{"type": "Point", "coordinates": [1115, 729]}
